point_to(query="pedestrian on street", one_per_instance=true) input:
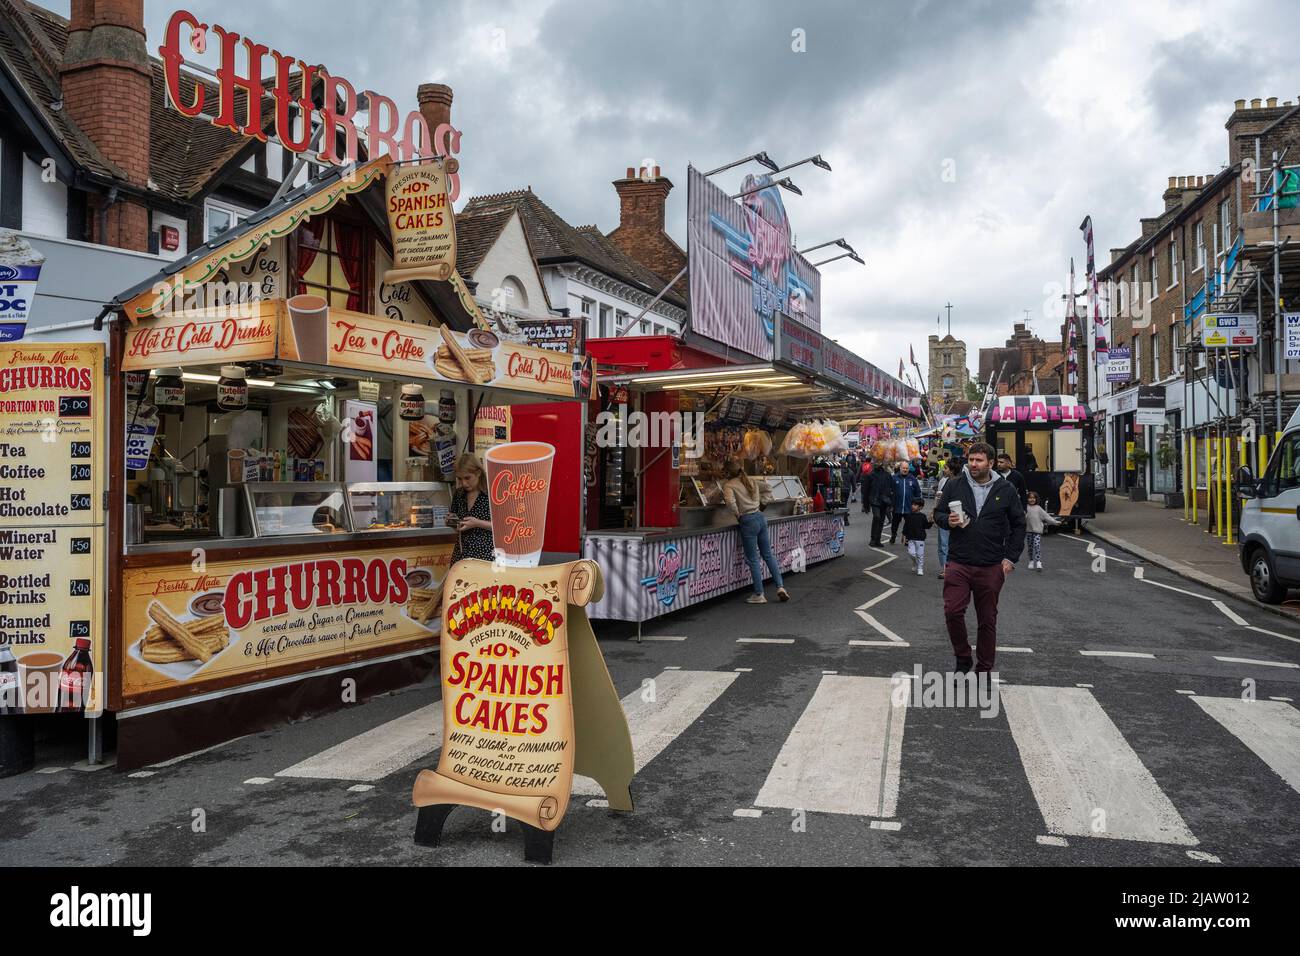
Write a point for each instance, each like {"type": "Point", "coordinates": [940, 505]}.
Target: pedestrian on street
{"type": "Point", "coordinates": [864, 486]}
{"type": "Point", "coordinates": [1016, 478]}
{"type": "Point", "coordinates": [950, 471]}
{"type": "Point", "coordinates": [906, 490]}
{"type": "Point", "coordinates": [1035, 518]}
{"type": "Point", "coordinates": [986, 524]}
{"type": "Point", "coordinates": [747, 498]}
{"type": "Point", "coordinates": [881, 491]}
{"type": "Point", "coordinates": [914, 525]}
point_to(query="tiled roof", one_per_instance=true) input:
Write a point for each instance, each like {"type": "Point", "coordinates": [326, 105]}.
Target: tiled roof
{"type": "Point", "coordinates": [476, 232]}
{"type": "Point", "coordinates": [553, 240]}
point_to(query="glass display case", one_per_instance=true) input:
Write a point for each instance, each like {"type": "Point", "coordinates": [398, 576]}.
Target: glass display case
{"type": "Point", "coordinates": [279, 508]}
{"type": "Point", "coordinates": [398, 505]}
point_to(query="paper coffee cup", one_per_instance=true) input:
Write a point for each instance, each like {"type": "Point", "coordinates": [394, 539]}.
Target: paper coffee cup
{"type": "Point", "coordinates": [235, 465]}
{"type": "Point", "coordinates": [309, 315]}
{"type": "Point", "coordinates": [38, 681]}
{"type": "Point", "coordinates": [519, 488]}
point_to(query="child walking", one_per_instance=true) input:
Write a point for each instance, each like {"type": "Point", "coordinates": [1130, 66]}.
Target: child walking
{"type": "Point", "coordinates": [1035, 518]}
{"type": "Point", "coordinates": [914, 525]}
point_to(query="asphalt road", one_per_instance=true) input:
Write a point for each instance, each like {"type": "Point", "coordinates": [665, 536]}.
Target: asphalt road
{"type": "Point", "coordinates": [1120, 737]}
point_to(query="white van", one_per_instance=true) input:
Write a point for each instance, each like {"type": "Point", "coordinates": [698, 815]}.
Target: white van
{"type": "Point", "coordinates": [1270, 520]}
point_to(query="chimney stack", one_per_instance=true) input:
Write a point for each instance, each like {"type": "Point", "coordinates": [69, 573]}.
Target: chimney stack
{"type": "Point", "coordinates": [435, 104]}
{"type": "Point", "coordinates": [642, 198]}
{"type": "Point", "coordinates": [106, 80]}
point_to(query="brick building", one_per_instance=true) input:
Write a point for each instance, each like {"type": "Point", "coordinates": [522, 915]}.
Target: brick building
{"type": "Point", "coordinates": [1025, 365]}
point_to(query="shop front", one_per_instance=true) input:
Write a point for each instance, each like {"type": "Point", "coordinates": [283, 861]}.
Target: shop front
{"type": "Point", "coordinates": [259, 487]}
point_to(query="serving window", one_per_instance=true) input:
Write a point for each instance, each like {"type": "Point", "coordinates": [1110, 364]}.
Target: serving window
{"type": "Point", "coordinates": [332, 258]}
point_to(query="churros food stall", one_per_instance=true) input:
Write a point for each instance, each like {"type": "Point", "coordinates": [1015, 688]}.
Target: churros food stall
{"type": "Point", "coordinates": [660, 528]}
{"type": "Point", "coordinates": [275, 471]}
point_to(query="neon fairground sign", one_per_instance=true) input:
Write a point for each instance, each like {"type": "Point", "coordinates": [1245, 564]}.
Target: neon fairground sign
{"type": "Point", "coordinates": [388, 133]}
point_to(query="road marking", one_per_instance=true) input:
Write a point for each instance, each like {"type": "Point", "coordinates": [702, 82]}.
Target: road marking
{"type": "Point", "coordinates": [1189, 693]}
{"type": "Point", "coordinates": [744, 670]}
{"type": "Point", "coordinates": [360, 787]}
{"type": "Point", "coordinates": [1271, 729]}
{"type": "Point", "coordinates": [1087, 686]}
{"type": "Point", "coordinates": [1231, 615]}
{"type": "Point", "coordinates": [50, 769]}
{"type": "Point", "coordinates": [1138, 572]}
{"type": "Point", "coordinates": [877, 599]}
{"type": "Point", "coordinates": [658, 637]}
{"type": "Point", "coordinates": [680, 698]}
{"type": "Point", "coordinates": [373, 755]}
{"type": "Point", "coordinates": [885, 581]}
{"type": "Point", "coordinates": [765, 640]}
{"type": "Point", "coordinates": [1247, 660]}
{"type": "Point", "coordinates": [1052, 841]}
{"type": "Point", "coordinates": [258, 781]}
{"type": "Point", "coordinates": [195, 753]}
{"type": "Point", "coordinates": [1015, 650]}
{"type": "Point", "coordinates": [1203, 856]}
{"type": "Point", "coordinates": [827, 673]}
{"type": "Point", "coordinates": [1252, 627]}
{"type": "Point", "coordinates": [598, 804]}
{"type": "Point", "coordinates": [832, 765]}
{"type": "Point", "coordinates": [886, 825]}
{"type": "Point", "coordinates": [142, 774]}
{"type": "Point", "coordinates": [1283, 699]}
{"type": "Point", "coordinates": [1078, 764]}
{"type": "Point", "coordinates": [894, 639]}
{"type": "Point", "coordinates": [747, 812]}
{"type": "Point", "coordinates": [673, 667]}
{"type": "Point", "coordinates": [1118, 654]}
{"type": "Point", "coordinates": [1170, 587]}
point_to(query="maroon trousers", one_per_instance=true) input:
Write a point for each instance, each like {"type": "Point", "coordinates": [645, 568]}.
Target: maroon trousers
{"type": "Point", "coordinates": [960, 583]}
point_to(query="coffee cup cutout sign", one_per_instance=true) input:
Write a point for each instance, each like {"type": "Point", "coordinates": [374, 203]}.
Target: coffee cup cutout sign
{"type": "Point", "coordinates": [519, 489]}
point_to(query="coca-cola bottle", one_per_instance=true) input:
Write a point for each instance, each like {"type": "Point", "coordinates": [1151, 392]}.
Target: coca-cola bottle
{"type": "Point", "coordinates": [75, 679]}
{"type": "Point", "coordinates": [9, 702]}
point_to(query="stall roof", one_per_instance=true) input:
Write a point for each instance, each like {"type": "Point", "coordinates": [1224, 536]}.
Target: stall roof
{"type": "Point", "coordinates": [1038, 409]}
{"type": "Point", "coordinates": [804, 395]}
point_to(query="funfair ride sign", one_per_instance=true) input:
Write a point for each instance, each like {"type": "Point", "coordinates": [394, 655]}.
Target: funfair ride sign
{"type": "Point", "coordinates": [387, 132]}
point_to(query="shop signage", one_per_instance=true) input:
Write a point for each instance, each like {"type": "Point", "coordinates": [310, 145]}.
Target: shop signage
{"type": "Point", "coordinates": [204, 337]}
{"type": "Point", "coordinates": [20, 271]}
{"type": "Point", "coordinates": [1292, 335]}
{"type": "Point", "coordinates": [555, 335]}
{"type": "Point", "coordinates": [491, 427]}
{"type": "Point", "coordinates": [1150, 405]}
{"type": "Point", "coordinates": [290, 89]}
{"type": "Point", "coordinates": [421, 222]}
{"type": "Point", "coordinates": [1119, 365]}
{"type": "Point", "coordinates": [52, 531]}
{"type": "Point", "coordinates": [1236, 329]}
{"type": "Point", "coordinates": [744, 270]}
{"type": "Point", "coordinates": [527, 700]}
{"type": "Point", "coordinates": [808, 350]}
{"type": "Point", "coordinates": [354, 340]}
{"type": "Point", "coordinates": [1038, 408]}
{"type": "Point", "coordinates": [184, 627]}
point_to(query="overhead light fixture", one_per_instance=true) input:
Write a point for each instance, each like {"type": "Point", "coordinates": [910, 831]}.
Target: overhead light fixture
{"type": "Point", "coordinates": [841, 242]}
{"type": "Point", "coordinates": [783, 183]}
{"type": "Point", "coordinates": [760, 157]}
{"type": "Point", "coordinates": [843, 255]}
{"type": "Point", "coordinates": [815, 160]}
{"type": "Point", "coordinates": [684, 375]}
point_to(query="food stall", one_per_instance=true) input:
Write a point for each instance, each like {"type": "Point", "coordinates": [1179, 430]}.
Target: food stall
{"type": "Point", "coordinates": [266, 479]}
{"type": "Point", "coordinates": [1050, 440]}
{"type": "Point", "coordinates": [660, 529]}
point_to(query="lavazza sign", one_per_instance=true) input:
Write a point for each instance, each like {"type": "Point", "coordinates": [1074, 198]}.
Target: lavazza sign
{"type": "Point", "coordinates": [405, 139]}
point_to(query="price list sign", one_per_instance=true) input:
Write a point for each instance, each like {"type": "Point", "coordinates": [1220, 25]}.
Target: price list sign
{"type": "Point", "coordinates": [52, 480]}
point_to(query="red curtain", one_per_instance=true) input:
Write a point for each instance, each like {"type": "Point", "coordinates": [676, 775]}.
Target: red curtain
{"type": "Point", "coordinates": [309, 243]}
{"type": "Point", "coordinates": [348, 243]}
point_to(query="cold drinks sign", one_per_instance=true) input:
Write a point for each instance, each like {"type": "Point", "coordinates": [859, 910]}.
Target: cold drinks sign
{"type": "Point", "coordinates": [293, 79]}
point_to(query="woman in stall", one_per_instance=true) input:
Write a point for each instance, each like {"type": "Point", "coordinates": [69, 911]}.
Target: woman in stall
{"type": "Point", "coordinates": [746, 498]}
{"type": "Point", "coordinates": [470, 513]}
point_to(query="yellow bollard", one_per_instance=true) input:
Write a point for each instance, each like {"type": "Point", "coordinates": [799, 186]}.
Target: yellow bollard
{"type": "Point", "coordinates": [1209, 483]}
{"type": "Point", "coordinates": [1191, 455]}
{"type": "Point", "coordinates": [1227, 487]}
{"type": "Point", "coordinates": [1218, 486]}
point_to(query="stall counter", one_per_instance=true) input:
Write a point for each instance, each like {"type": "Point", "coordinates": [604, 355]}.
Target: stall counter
{"type": "Point", "coordinates": [652, 572]}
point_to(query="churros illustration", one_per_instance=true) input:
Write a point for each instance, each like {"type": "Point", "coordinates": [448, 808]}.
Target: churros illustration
{"type": "Point", "coordinates": [189, 636]}
{"type": "Point", "coordinates": [157, 647]}
{"type": "Point", "coordinates": [467, 368]}
{"type": "Point", "coordinates": [424, 603]}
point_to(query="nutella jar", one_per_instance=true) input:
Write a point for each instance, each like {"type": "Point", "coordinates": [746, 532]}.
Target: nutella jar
{"type": "Point", "coordinates": [137, 384]}
{"type": "Point", "coordinates": [232, 388]}
{"type": "Point", "coordinates": [169, 391]}
{"type": "Point", "coordinates": [411, 405]}
{"type": "Point", "coordinates": [447, 407]}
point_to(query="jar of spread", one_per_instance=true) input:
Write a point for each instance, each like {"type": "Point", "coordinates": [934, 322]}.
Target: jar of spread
{"type": "Point", "coordinates": [137, 384]}
{"type": "Point", "coordinates": [232, 388]}
{"type": "Point", "coordinates": [411, 405]}
{"type": "Point", "coordinates": [169, 391]}
{"type": "Point", "coordinates": [447, 407]}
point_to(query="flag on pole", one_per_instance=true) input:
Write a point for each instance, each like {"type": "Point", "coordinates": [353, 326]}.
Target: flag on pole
{"type": "Point", "coordinates": [1072, 320]}
{"type": "Point", "coordinates": [1101, 348]}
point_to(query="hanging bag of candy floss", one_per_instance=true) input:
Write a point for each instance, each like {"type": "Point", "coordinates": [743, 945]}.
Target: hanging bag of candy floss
{"type": "Point", "coordinates": [20, 269]}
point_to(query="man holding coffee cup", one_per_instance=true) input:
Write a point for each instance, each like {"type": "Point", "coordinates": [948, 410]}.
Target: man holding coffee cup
{"type": "Point", "coordinates": [986, 529]}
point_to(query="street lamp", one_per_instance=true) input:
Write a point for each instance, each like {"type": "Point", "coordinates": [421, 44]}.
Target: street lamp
{"type": "Point", "coordinates": [815, 160]}
{"type": "Point", "coordinates": [843, 255]}
{"type": "Point", "coordinates": [783, 183]}
{"type": "Point", "coordinates": [760, 157]}
{"type": "Point", "coordinates": [841, 242]}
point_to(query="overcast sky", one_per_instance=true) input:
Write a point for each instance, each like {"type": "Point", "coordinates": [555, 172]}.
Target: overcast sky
{"type": "Point", "coordinates": [1040, 113]}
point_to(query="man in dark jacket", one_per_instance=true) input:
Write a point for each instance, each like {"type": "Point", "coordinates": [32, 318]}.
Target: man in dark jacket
{"type": "Point", "coordinates": [864, 485]}
{"type": "Point", "coordinates": [1015, 477]}
{"type": "Point", "coordinates": [906, 490]}
{"type": "Point", "coordinates": [881, 492]}
{"type": "Point", "coordinates": [984, 544]}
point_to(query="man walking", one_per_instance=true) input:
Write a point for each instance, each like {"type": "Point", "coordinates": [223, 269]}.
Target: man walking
{"type": "Point", "coordinates": [881, 491]}
{"type": "Point", "coordinates": [1015, 477]}
{"type": "Point", "coordinates": [864, 485]}
{"type": "Point", "coordinates": [986, 533]}
{"type": "Point", "coordinates": [906, 490]}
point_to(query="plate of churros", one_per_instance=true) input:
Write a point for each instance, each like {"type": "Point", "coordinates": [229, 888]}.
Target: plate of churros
{"type": "Point", "coordinates": [181, 646]}
{"type": "Point", "coordinates": [453, 361]}
{"type": "Point", "coordinates": [424, 603]}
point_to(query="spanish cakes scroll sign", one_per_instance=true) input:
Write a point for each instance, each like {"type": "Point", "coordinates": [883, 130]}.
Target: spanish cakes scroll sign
{"type": "Point", "coordinates": [421, 220]}
{"type": "Point", "coordinates": [527, 701]}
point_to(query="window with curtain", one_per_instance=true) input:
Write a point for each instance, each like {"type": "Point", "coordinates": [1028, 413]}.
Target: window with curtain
{"type": "Point", "coordinates": [331, 262]}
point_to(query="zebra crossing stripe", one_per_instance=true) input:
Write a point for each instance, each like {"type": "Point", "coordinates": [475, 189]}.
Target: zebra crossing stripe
{"type": "Point", "coordinates": [832, 765]}
{"type": "Point", "coordinates": [1083, 773]}
{"type": "Point", "coordinates": [1271, 729]}
{"type": "Point", "coordinates": [376, 753]}
{"type": "Point", "coordinates": [678, 699]}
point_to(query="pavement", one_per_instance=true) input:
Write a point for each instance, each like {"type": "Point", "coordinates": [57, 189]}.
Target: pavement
{"type": "Point", "coordinates": [1163, 537]}
{"type": "Point", "coordinates": [1140, 719]}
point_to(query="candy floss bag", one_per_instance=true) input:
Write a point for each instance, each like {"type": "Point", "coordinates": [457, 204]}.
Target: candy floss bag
{"type": "Point", "coordinates": [527, 699]}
